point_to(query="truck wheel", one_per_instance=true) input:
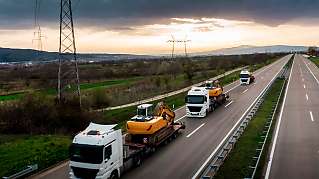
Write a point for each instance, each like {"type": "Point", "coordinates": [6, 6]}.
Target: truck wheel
{"type": "Point", "coordinates": [114, 175]}
{"type": "Point", "coordinates": [174, 136]}
{"type": "Point", "coordinates": [137, 161]}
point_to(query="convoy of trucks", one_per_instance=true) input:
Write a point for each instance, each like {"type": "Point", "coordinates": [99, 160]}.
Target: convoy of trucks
{"type": "Point", "coordinates": [202, 100]}
{"type": "Point", "coordinates": [102, 151]}
{"type": "Point", "coordinates": [246, 77]}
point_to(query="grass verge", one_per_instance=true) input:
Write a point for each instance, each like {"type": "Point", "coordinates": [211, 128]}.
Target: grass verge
{"type": "Point", "coordinates": [18, 151]}
{"type": "Point", "coordinates": [237, 163]}
{"type": "Point", "coordinates": [315, 60]}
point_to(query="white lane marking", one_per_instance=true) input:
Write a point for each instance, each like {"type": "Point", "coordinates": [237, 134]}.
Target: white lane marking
{"type": "Point", "coordinates": [228, 104]}
{"type": "Point", "coordinates": [312, 73]}
{"type": "Point", "coordinates": [245, 91]}
{"type": "Point", "coordinates": [232, 88]}
{"type": "Point", "coordinates": [195, 130]}
{"type": "Point", "coordinates": [198, 172]}
{"type": "Point", "coordinates": [180, 118]}
{"type": "Point", "coordinates": [307, 97]}
{"type": "Point", "coordinates": [311, 116]}
{"type": "Point", "coordinates": [179, 108]}
{"type": "Point", "coordinates": [303, 79]}
{"type": "Point", "coordinates": [278, 127]}
{"type": "Point", "coordinates": [304, 86]}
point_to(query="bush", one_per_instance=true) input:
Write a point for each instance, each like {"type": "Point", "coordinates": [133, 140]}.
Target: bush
{"type": "Point", "coordinates": [100, 98]}
{"type": "Point", "coordinates": [38, 114]}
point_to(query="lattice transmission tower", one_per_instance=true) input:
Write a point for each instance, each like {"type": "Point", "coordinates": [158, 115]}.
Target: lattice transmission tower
{"type": "Point", "coordinates": [37, 35]}
{"type": "Point", "coordinates": [174, 41]}
{"type": "Point", "coordinates": [68, 74]}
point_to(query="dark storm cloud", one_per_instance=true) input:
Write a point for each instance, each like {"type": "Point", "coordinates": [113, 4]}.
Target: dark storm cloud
{"type": "Point", "coordinates": [123, 14]}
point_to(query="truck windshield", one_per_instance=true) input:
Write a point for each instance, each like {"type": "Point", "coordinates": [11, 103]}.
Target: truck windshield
{"type": "Point", "coordinates": [244, 76]}
{"type": "Point", "coordinates": [86, 153]}
{"type": "Point", "coordinates": [194, 99]}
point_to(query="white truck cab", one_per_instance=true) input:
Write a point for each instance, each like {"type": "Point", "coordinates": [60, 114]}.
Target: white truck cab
{"type": "Point", "coordinates": [197, 102]}
{"type": "Point", "coordinates": [245, 77]}
{"type": "Point", "coordinates": [97, 152]}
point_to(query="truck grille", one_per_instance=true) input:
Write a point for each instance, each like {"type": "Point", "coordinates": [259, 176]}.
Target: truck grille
{"type": "Point", "coordinates": [244, 80]}
{"type": "Point", "coordinates": [84, 172]}
{"type": "Point", "coordinates": [194, 108]}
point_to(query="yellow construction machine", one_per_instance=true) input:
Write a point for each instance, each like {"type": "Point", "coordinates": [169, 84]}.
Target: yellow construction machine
{"type": "Point", "coordinates": [149, 121]}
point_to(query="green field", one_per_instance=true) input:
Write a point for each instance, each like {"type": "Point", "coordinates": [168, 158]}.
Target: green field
{"type": "Point", "coordinates": [11, 97]}
{"type": "Point", "coordinates": [315, 60]}
{"type": "Point", "coordinates": [83, 86]}
{"type": "Point", "coordinates": [18, 151]}
{"type": "Point", "coordinates": [237, 163]}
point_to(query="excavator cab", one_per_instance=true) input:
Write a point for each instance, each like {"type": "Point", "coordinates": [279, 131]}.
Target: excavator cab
{"type": "Point", "coordinates": [145, 110]}
{"type": "Point", "coordinates": [214, 87]}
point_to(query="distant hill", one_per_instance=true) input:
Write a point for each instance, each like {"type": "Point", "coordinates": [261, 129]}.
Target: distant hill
{"type": "Point", "coordinates": [247, 49]}
{"type": "Point", "coordinates": [8, 55]}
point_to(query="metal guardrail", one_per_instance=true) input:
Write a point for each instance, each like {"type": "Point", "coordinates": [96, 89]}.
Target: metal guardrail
{"type": "Point", "coordinates": [260, 149]}
{"type": "Point", "coordinates": [23, 173]}
{"type": "Point", "coordinates": [212, 167]}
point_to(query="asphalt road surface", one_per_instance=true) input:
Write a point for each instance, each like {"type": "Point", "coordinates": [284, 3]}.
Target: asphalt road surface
{"type": "Point", "coordinates": [295, 150]}
{"type": "Point", "coordinates": [183, 157]}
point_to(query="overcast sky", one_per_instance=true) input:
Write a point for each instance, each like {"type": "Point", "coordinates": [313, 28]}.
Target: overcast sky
{"type": "Point", "coordinates": [144, 26]}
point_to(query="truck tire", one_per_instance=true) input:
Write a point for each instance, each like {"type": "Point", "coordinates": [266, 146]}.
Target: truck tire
{"type": "Point", "coordinates": [114, 175]}
{"type": "Point", "coordinates": [137, 161]}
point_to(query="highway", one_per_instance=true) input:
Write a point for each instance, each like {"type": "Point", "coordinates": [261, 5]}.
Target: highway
{"type": "Point", "coordinates": [183, 157]}
{"type": "Point", "coordinates": [295, 149]}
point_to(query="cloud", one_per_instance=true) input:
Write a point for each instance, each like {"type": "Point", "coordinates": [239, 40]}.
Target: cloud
{"type": "Point", "coordinates": [121, 15]}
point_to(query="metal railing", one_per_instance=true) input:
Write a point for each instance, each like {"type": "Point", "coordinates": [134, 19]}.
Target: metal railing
{"type": "Point", "coordinates": [260, 149]}
{"type": "Point", "coordinates": [218, 159]}
{"type": "Point", "coordinates": [23, 173]}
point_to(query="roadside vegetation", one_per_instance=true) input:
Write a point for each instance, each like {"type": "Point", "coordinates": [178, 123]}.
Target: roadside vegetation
{"type": "Point", "coordinates": [19, 151]}
{"type": "Point", "coordinates": [315, 60]}
{"type": "Point", "coordinates": [36, 116]}
{"type": "Point", "coordinates": [237, 164]}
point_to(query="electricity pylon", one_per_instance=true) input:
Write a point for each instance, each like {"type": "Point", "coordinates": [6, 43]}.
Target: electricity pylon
{"type": "Point", "coordinates": [37, 33]}
{"type": "Point", "coordinates": [173, 41]}
{"type": "Point", "coordinates": [68, 74]}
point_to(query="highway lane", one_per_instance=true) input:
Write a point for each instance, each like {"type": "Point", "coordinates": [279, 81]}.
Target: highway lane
{"type": "Point", "coordinates": [295, 150]}
{"type": "Point", "coordinates": [185, 155]}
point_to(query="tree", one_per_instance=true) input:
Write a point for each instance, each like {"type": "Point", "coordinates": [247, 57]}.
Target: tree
{"type": "Point", "coordinates": [312, 51]}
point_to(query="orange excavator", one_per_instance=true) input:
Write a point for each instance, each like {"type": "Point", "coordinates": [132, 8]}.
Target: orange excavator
{"type": "Point", "coordinates": [152, 127]}
{"type": "Point", "coordinates": [149, 121]}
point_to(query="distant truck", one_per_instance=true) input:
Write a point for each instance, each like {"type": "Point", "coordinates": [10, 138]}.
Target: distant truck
{"type": "Point", "coordinates": [101, 151]}
{"type": "Point", "coordinates": [246, 77]}
{"type": "Point", "coordinates": [202, 100]}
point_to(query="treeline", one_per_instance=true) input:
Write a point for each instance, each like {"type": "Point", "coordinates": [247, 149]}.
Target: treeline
{"type": "Point", "coordinates": [45, 75]}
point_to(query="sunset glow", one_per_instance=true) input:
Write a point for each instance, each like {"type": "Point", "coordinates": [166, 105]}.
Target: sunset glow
{"type": "Point", "coordinates": [205, 33]}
